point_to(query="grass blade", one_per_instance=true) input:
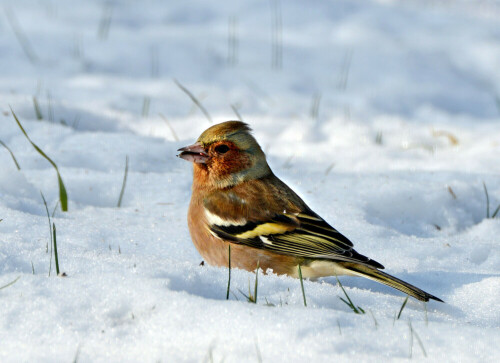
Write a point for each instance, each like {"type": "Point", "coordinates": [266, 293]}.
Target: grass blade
{"type": "Point", "coordinates": [452, 192]}
{"type": "Point", "coordinates": [495, 212]}
{"type": "Point", "coordinates": [10, 283]}
{"type": "Point", "coordinates": [345, 301]}
{"type": "Point", "coordinates": [105, 22]}
{"type": "Point", "coordinates": [487, 201]}
{"type": "Point", "coordinates": [55, 208]}
{"type": "Point", "coordinates": [20, 36]}
{"type": "Point", "coordinates": [276, 36]}
{"type": "Point", "coordinates": [402, 307]}
{"type": "Point", "coordinates": [12, 154]}
{"type": "Point", "coordinates": [36, 106]}
{"type": "Point", "coordinates": [345, 293]}
{"type": "Point", "coordinates": [413, 334]}
{"type": "Point", "coordinates": [77, 354]}
{"type": "Point", "coordinates": [259, 355]}
{"type": "Point", "coordinates": [170, 127]}
{"type": "Point", "coordinates": [232, 41]}
{"type": "Point", "coordinates": [194, 99]}
{"type": "Point", "coordinates": [237, 113]}
{"type": "Point", "coordinates": [256, 283]}
{"type": "Point", "coordinates": [302, 286]}
{"type": "Point", "coordinates": [56, 257]}
{"type": "Point", "coordinates": [252, 298]}
{"type": "Point", "coordinates": [249, 298]}
{"type": "Point", "coordinates": [63, 195]}
{"type": "Point", "coordinates": [356, 310]}
{"type": "Point", "coordinates": [344, 72]}
{"type": "Point", "coordinates": [50, 110]}
{"type": "Point", "coordinates": [420, 343]}
{"type": "Point", "coordinates": [50, 231]}
{"type": "Point", "coordinates": [229, 271]}
{"type": "Point", "coordinates": [315, 106]}
{"type": "Point", "coordinates": [124, 183]}
{"type": "Point", "coordinates": [145, 106]}
{"type": "Point", "coordinates": [411, 338]}
{"type": "Point", "coordinates": [426, 317]}
{"type": "Point", "coordinates": [374, 320]}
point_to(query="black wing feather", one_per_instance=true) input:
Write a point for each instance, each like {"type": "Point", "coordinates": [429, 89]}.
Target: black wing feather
{"type": "Point", "coordinates": [311, 237]}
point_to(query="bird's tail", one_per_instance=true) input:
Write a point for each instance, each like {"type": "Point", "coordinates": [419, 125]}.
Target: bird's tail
{"type": "Point", "coordinates": [386, 279]}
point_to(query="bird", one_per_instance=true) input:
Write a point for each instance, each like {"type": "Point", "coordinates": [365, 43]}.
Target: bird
{"type": "Point", "coordinates": [240, 211]}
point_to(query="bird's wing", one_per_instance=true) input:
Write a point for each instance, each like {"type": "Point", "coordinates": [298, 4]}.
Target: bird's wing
{"type": "Point", "coordinates": [301, 234]}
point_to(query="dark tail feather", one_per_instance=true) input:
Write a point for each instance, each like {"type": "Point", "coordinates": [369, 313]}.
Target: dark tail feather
{"type": "Point", "coordinates": [386, 279]}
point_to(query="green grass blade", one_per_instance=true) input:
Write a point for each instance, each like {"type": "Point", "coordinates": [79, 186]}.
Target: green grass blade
{"type": "Point", "coordinates": [105, 21]}
{"type": "Point", "coordinates": [426, 317]}
{"type": "Point", "coordinates": [63, 195]}
{"type": "Point", "coordinates": [124, 183]}
{"type": "Point", "coordinates": [194, 99]}
{"type": "Point", "coordinates": [495, 212]}
{"type": "Point", "coordinates": [420, 343]}
{"type": "Point", "coordinates": [50, 110]}
{"type": "Point", "coordinates": [12, 155]}
{"type": "Point", "coordinates": [55, 248]}
{"type": "Point", "coordinates": [36, 106]}
{"type": "Point", "coordinates": [345, 301]}
{"type": "Point", "coordinates": [302, 286]}
{"type": "Point", "coordinates": [259, 355]}
{"type": "Point", "coordinates": [21, 36]}
{"type": "Point", "coordinates": [374, 319]}
{"type": "Point", "coordinates": [402, 307]}
{"type": "Point", "coordinates": [237, 113]}
{"type": "Point", "coordinates": [245, 295]}
{"type": "Point", "coordinates": [77, 354]}
{"type": "Point", "coordinates": [256, 283]}
{"type": "Point", "coordinates": [349, 303]}
{"type": "Point", "coordinates": [146, 103]}
{"type": "Point", "coordinates": [411, 338]}
{"type": "Point", "coordinates": [170, 127]}
{"type": "Point", "coordinates": [10, 283]}
{"type": "Point", "coordinates": [487, 201]}
{"type": "Point", "coordinates": [345, 293]}
{"type": "Point", "coordinates": [50, 231]}
{"type": "Point", "coordinates": [55, 208]}
{"type": "Point", "coordinates": [229, 271]}
{"type": "Point", "coordinates": [414, 335]}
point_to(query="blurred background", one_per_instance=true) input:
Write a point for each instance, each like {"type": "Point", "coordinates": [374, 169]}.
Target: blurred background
{"type": "Point", "coordinates": [100, 65]}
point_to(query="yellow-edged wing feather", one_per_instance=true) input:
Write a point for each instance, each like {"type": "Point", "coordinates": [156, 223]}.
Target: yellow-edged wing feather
{"type": "Point", "coordinates": [302, 234]}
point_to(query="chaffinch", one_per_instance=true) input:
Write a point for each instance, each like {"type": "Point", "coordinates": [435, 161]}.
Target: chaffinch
{"type": "Point", "coordinates": [238, 201]}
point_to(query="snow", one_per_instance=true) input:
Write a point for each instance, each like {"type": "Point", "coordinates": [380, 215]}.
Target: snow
{"type": "Point", "coordinates": [420, 76]}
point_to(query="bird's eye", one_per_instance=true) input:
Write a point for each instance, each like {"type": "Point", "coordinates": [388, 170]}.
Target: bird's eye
{"type": "Point", "coordinates": [222, 149]}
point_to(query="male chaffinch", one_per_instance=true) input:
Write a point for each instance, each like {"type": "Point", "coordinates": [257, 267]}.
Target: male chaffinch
{"type": "Point", "coordinates": [238, 201]}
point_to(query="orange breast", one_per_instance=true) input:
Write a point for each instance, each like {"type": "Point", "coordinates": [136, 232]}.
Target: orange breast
{"type": "Point", "coordinates": [215, 250]}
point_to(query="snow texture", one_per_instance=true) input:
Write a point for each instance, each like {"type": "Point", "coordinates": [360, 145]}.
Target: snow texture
{"type": "Point", "coordinates": [383, 115]}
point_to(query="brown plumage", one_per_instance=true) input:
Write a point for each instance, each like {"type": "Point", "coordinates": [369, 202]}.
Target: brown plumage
{"type": "Point", "coordinates": [237, 200]}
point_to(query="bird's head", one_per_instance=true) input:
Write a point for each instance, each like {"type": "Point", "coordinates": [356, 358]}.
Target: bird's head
{"type": "Point", "coordinates": [226, 154]}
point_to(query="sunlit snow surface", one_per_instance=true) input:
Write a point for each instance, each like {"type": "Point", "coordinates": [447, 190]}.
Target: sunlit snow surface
{"type": "Point", "coordinates": [421, 78]}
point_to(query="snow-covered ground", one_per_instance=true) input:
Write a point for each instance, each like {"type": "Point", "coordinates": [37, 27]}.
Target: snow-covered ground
{"type": "Point", "coordinates": [383, 115]}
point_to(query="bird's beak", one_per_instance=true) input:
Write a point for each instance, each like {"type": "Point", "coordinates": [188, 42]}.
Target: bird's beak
{"type": "Point", "coordinates": [194, 153]}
